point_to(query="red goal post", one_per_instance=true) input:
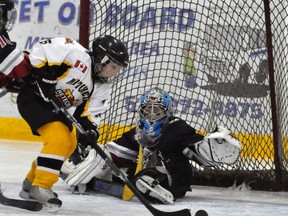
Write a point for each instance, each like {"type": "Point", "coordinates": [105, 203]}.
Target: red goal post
{"type": "Point", "coordinates": [223, 62]}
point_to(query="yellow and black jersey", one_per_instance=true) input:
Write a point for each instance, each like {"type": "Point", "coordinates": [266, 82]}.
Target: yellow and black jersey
{"type": "Point", "coordinates": [70, 62]}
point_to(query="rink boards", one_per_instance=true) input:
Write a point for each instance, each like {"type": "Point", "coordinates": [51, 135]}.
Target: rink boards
{"type": "Point", "coordinates": [257, 146]}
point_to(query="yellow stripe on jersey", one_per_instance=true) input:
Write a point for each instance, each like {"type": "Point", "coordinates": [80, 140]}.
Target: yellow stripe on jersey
{"type": "Point", "coordinates": [85, 111]}
{"type": "Point", "coordinates": [42, 64]}
{"type": "Point", "coordinates": [66, 72]}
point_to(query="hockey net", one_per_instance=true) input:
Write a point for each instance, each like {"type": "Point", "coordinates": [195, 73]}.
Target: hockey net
{"type": "Point", "coordinates": [212, 57]}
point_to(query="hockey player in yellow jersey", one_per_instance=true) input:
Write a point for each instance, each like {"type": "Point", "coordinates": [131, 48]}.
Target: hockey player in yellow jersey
{"type": "Point", "coordinates": [65, 72]}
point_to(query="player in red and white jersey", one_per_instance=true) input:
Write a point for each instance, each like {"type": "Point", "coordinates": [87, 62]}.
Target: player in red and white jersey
{"type": "Point", "coordinates": [14, 64]}
{"type": "Point", "coordinates": [66, 72]}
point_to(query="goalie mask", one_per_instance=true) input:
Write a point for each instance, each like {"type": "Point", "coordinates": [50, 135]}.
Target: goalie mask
{"type": "Point", "coordinates": [8, 15]}
{"type": "Point", "coordinates": [155, 112]}
{"type": "Point", "coordinates": [108, 53]}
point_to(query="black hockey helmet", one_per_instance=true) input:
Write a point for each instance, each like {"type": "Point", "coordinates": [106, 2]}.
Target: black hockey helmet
{"type": "Point", "coordinates": [7, 14]}
{"type": "Point", "coordinates": [106, 49]}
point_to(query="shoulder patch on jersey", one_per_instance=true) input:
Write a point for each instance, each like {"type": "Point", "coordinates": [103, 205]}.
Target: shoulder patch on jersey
{"type": "Point", "coordinates": [68, 41]}
{"type": "Point", "coordinates": [80, 66]}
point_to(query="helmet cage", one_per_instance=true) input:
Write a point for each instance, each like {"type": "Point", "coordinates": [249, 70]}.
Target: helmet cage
{"type": "Point", "coordinates": [98, 67]}
{"type": "Point", "coordinates": [155, 112]}
{"type": "Point", "coordinates": [157, 102]}
{"type": "Point", "coordinates": [101, 57]}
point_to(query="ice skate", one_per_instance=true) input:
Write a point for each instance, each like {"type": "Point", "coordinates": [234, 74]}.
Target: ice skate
{"type": "Point", "coordinates": [51, 203]}
{"type": "Point", "coordinates": [26, 187]}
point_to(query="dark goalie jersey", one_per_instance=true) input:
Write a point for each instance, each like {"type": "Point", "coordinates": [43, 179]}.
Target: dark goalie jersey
{"type": "Point", "coordinates": [13, 62]}
{"type": "Point", "coordinates": [176, 137]}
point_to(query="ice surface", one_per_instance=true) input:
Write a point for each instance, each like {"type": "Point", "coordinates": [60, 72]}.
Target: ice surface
{"type": "Point", "coordinates": [16, 157]}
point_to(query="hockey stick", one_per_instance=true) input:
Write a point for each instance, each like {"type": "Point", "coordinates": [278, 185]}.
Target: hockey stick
{"type": "Point", "coordinates": [154, 211]}
{"type": "Point", "coordinates": [3, 93]}
{"type": "Point", "coordinates": [22, 204]}
{"type": "Point", "coordinates": [114, 189]}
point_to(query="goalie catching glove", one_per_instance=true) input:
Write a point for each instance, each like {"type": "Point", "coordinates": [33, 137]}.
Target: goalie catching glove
{"type": "Point", "coordinates": [218, 147]}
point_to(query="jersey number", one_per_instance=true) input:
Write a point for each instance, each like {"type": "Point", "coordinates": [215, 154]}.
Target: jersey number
{"type": "Point", "coordinates": [45, 41]}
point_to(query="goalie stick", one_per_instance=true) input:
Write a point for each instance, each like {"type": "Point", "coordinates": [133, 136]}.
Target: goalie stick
{"type": "Point", "coordinates": [121, 175]}
{"type": "Point", "coordinates": [114, 189]}
{"type": "Point", "coordinates": [127, 193]}
{"type": "Point", "coordinates": [106, 187]}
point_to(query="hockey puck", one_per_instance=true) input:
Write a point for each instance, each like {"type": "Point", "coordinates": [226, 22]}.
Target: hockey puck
{"type": "Point", "coordinates": [201, 213]}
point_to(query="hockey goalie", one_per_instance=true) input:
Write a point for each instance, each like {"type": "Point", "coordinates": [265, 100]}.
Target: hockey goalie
{"type": "Point", "coordinates": [169, 144]}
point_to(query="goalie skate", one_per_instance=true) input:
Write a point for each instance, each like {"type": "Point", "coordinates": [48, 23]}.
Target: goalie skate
{"type": "Point", "coordinates": [149, 186]}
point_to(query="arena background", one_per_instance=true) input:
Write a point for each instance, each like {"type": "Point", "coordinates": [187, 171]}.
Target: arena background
{"type": "Point", "coordinates": [36, 20]}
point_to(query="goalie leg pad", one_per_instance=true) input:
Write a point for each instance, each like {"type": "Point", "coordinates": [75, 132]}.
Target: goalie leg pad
{"type": "Point", "coordinates": [151, 188]}
{"type": "Point", "coordinates": [68, 167]}
{"type": "Point", "coordinates": [92, 166]}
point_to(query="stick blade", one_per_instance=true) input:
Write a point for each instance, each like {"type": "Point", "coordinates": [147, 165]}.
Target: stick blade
{"type": "Point", "coordinates": [22, 204]}
{"type": "Point", "coordinates": [182, 212]}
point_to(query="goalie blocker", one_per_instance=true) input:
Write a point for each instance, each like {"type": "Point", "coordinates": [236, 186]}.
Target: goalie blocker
{"type": "Point", "coordinates": [155, 181]}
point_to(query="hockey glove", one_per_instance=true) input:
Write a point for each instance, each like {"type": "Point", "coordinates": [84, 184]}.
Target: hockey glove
{"type": "Point", "coordinates": [15, 85]}
{"type": "Point", "coordinates": [87, 141]}
{"type": "Point", "coordinates": [46, 84]}
{"type": "Point", "coordinates": [80, 153]}
{"type": "Point", "coordinates": [90, 138]}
